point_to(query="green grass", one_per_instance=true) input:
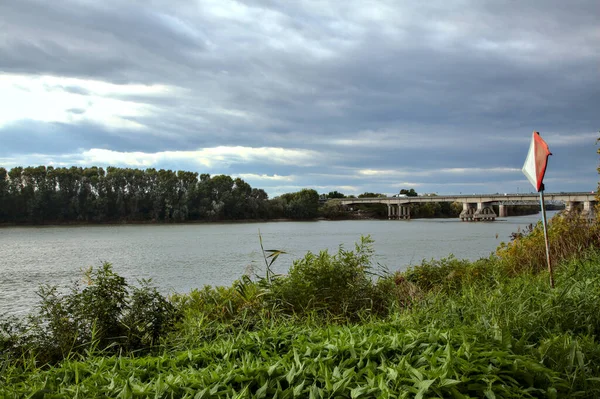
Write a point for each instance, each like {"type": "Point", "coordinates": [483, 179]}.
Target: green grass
{"type": "Point", "coordinates": [375, 360]}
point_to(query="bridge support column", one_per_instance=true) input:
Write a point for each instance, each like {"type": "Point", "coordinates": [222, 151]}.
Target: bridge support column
{"type": "Point", "coordinates": [398, 211]}
{"type": "Point", "coordinates": [502, 211]}
{"type": "Point", "coordinates": [404, 211]}
{"type": "Point", "coordinates": [571, 207]}
{"type": "Point", "coordinates": [484, 212]}
{"type": "Point", "coordinates": [467, 213]}
{"type": "Point", "coordinates": [588, 210]}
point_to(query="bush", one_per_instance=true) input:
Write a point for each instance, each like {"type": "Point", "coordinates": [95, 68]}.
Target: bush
{"type": "Point", "coordinates": [13, 336]}
{"type": "Point", "coordinates": [224, 304]}
{"type": "Point", "coordinates": [336, 285]}
{"type": "Point", "coordinates": [149, 316]}
{"type": "Point", "coordinates": [333, 210]}
{"type": "Point", "coordinates": [559, 327]}
{"type": "Point", "coordinates": [568, 235]}
{"type": "Point", "coordinates": [103, 315]}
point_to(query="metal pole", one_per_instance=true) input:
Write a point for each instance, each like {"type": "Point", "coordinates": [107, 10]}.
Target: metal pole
{"type": "Point", "coordinates": [546, 236]}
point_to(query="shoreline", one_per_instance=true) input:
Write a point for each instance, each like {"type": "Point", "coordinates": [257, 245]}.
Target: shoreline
{"type": "Point", "coordinates": [215, 222]}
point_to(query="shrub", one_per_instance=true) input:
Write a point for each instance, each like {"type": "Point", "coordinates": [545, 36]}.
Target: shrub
{"type": "Point", "coordinates": [148, 317]}
{"type": "Point", "coordinates": [337, 285]}
{"type": "Point", "coordinates": [103, 315]}
{"type": "Point", "coordinates": [223, 304]}
{"type": "Point", "coordinates": [444, 275]}
{"type": "Point", "coordinates": [568, 235]}
{"type": "Point", "coordinates": [333, 210]}
{"type": "Point", "coordinates": [13, 335]}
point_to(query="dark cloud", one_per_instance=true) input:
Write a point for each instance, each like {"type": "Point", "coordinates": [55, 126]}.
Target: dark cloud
{"type": "Point", "coordinates": [60, 138]}
{"type": "Point", "coordinates": [427, 86]}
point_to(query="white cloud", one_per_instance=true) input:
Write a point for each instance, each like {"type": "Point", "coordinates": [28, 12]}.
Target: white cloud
{"type": "Point", "coordinates": [266, 178]}
{"type": "Point", "coordinates": [209, 157]}
{"type": "Point", "coordinates": [53, 99]}
{"type": "Point", "coordinates": [430, 172]}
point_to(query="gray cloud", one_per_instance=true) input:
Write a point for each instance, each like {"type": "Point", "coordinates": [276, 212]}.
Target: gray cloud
{"type": "Point", "coordinates": [379, 86]}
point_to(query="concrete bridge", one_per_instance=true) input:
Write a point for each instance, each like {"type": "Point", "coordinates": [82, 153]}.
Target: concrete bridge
{"type": "Point", "coordinates": [479, 206]}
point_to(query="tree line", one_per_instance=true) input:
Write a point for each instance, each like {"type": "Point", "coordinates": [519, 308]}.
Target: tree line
{"type": "Point", "coordinates": [44, 194]}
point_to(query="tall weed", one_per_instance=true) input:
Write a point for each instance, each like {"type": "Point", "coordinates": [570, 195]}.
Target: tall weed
{"type": "Point", "coordinates": [559, 327]}
{"type": "Point", "coordinates": [338, 285]}
{"type": "Point", "coordinates": [569, 235]}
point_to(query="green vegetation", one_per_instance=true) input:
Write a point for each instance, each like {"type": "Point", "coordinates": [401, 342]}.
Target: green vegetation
{"type": "Point", "coordinates": [106, 315]}
{"type": "Point", "coordinates": [409, 193]}
{"type": "Point", "coordinates": [37, 195]}
{"type": "Point", "coordinates": [48, 195]}
{"type": "Point", "coordinates": [303, 204]}
{"type": "Point", "coordinates": [436, 210]}
{"type": "Point", "coordinates": [335, 326]}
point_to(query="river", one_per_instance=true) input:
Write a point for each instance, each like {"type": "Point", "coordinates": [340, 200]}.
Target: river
{"type": "Point", "coordinates": [181, 257]}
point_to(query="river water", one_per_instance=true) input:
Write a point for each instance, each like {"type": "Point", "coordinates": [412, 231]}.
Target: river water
{"type": "Point", "coordinates": [181, 257]}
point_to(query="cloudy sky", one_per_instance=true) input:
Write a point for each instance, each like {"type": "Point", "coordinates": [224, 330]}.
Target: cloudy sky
{"type": "Point", "coordinates": [354, 95]}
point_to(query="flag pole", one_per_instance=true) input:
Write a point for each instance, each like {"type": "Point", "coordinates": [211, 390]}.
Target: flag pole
{"type": "Point", "coordinates": [543, 206]}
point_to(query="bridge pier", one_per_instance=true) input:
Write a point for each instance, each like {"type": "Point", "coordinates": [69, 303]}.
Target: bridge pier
{"type": "Point", "coordinates": [398, 211]}
{"type": "Point", "coordinates": [571, 206]}
{"type": "Point", "coordinates": [484, 212]}
{"type": "Point", "coordinates": [588, 210]}
{"type": "Point", "coordinates": [503, 212]}
{"type": "Point", "coordinates": [467, 213]}
{"type": "Point", "coordinates": [404, 211]}
{"type": "Point", "coordinates": [476, 212]}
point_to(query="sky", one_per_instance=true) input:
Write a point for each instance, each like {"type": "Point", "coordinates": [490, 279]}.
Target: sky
{"type": "Point", "coordinates": [441, 96]}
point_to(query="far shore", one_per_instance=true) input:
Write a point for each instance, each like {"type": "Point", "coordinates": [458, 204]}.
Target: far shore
{"type": "Point", "coordinates": [237, 221]}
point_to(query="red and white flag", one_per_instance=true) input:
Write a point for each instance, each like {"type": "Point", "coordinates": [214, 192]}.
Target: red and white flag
{"type": "Point", "coordinates": [536, 161]}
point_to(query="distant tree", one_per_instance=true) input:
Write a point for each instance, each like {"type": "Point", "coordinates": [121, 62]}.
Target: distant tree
{"type": "Point", "coordinates": [4, 197]}
{"type": "Point", "coordinates": [456, 208]}
{"type": "Point", "coordinates": [333, 210]}
{"type": "Point", "coordinates": [371, 195]}
{"type": "Point", "coordinates": [303, 204]}
{"type": "Point", "coordinates": [222, 197]}
{"type": "Point", "coordinates": [409, 193]}
{"type": "Point", "coordinates": [335, 194]}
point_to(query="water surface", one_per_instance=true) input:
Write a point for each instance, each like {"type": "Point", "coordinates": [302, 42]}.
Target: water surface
{"type": "Point", "coordinates": [181, 257]}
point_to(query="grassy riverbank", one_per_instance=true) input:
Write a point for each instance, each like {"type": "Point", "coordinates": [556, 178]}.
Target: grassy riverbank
{"type": "Point", "coordinates": [447, 328]}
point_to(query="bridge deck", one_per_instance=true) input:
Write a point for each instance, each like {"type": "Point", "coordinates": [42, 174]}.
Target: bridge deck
{"type": "Point", "coordinates": [475, 198]}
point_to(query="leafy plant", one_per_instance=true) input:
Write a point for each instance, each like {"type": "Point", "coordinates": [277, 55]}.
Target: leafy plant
{"type": "Point", "coordinates": [103, 315]}
{"type": "Point", "coordinates": [338, 285]}
{"type": "Point", "coordinates": [569, 235]}
{"type": "Point", "coordinates": [149, 316]}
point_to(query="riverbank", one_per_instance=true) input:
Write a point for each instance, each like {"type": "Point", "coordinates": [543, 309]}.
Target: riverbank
{"type": "Point", "coordinates": [348, 216]}
{"type": "Point", "coordinates": [444, 328]}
